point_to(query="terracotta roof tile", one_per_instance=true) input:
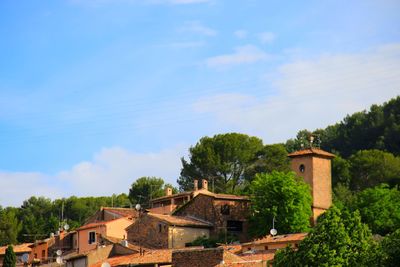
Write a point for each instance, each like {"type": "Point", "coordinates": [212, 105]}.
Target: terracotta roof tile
{"type": "Point", "coordinates": [149, 257]}
{"type": "Point", "coordinates": [180, 220]}
{"type": "Point", "coordinates": [311, 151]}
{"type": "Point", "coordinates": [98, 224]}
{"type": "Point", "coordinates": [125, 212]}
{"type": "Point", "coordinates": [21, 248]}
{"type": "Point", "coordinates": [264, 255]}
{"type": "Point", "coordinates": [278, 239]}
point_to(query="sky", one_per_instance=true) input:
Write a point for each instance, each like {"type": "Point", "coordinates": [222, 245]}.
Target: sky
{"type": "Point", "coordinates": [97, 93]}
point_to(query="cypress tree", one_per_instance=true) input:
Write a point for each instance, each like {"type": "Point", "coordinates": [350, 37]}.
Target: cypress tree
{"type": "Point", "coordinates": [10, 259]}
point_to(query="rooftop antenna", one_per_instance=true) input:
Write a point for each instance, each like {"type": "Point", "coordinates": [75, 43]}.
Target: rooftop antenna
{"type": "Point", "coordinates": [311, 141]}
{"type": "Point", "coordinates": [273, 231]}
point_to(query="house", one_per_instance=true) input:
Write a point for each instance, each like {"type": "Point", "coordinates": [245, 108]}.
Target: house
{"type": "Point", "coordinates": [227, 213]}
{"type": "Point", "coordinates": [87, 235]}
{"type": "Point", "coordinates": [23, 253]}
{"type": "Point", "coordinates": [274, 242]}
{"type": "Point", "coordinates": [40, 250]}
{"type": "Point", "coordinates": [166, 231]}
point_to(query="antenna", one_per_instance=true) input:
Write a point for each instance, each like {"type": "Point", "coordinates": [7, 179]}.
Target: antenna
{"type": "Point", "coordinates": [273, 231]}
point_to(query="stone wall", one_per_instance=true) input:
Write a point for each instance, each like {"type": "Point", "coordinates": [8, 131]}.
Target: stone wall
{"type": "Point", "coordinates": [146, 232]}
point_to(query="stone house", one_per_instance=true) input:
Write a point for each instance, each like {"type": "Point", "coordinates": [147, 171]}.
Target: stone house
{"type": "Point", "coordinates": [108, 214]}
{"type": "Point", "coordinates": [165, 231]}
{"type": "Point", "coordinates": [22, 252]}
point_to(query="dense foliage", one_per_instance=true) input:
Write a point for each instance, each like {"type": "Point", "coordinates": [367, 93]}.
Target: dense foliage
{"type": "Point", "coordinates": [283, 196]}
{"type": "Point", "coordinates": [338, 239]}
{"type": "Point", "coordinates": [378, 128]}
{"type": "Point", "coordinates": [379, 206]}
{"type": "Point", "coordinates": [10, 260]}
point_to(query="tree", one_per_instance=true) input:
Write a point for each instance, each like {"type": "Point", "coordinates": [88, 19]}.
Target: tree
{"type": "Point", "coordinates": [146, 188]}
{"type": "Point", "coordinates": [372, 167]}
{"type": "Point", "coordinates": [283, 196]}
{"type": "Point", "coordinates": [379, 208]}
{"type": "Point", "coordinates": [340, 171]}
{"type": "Point", "coordinates": [222, 159]}
{"type": "Point", "coordinates": [338, 239]}
{"type": "Point", "coordinates": [9, 226]}
{"type": "Point", "coordinates": [10, 260]}
{"type": "Point", "coordinates": [391, 249]}
{"type": "Point", "coordinates": [270, 158]}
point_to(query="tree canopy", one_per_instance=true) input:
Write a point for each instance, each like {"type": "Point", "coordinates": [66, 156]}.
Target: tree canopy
{"type": "Point", "coordinates": [338, 239]}
{"type": "Point", "coordinates": [283, 196]}
{"type": "Point", "coordinates": [9, 226]}
{"type": "Point", "coordinates": [146, 188]}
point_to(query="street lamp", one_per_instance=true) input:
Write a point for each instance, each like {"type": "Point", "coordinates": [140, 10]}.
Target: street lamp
{"type": "Point", "coordinates": [139, 208]}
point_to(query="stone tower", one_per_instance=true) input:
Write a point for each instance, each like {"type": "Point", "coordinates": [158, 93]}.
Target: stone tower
{"type": "Point", "coordinates": [314, 165]}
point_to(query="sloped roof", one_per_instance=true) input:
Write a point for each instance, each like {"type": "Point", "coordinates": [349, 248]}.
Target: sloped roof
{"type": "Point", "coordinates": [21, 248]}
{"type": "Point", "coordinates": [269, 239]}
{"type": "Point", "coordinates": [98, 224]}
{"type": "Point", "coordinates": [124, 212]}
{"type": "Point", "coordinates": [149, 257]}
{"type": "Point", "coordinates": [182, 194]}
{"type": "Point", "coordinates": [311, 151]}
{"type": "Point", "coordinates": [264, 255]}
{"type": "Point", "coordinates": [180, 220]}
{"type": "Point", "coordinates": [232, 248]}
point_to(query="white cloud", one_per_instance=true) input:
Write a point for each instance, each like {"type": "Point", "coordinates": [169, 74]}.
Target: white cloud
{"type": "Point", "coordinates": [112, 170]}
{"type": "Point", "coordinates": [266, 37]}
{"type": "Point", "coordinates": [310, 94]}
{"type": "Point", "coordinates": [198, 28]}
{"type": "Point", "coordinates": [242, 55]}
{"type": "Point", "coordinates": [241, 34]}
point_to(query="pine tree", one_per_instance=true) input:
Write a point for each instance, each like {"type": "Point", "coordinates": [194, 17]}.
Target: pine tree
{"type": "Point", "coordinates": [10, 259]}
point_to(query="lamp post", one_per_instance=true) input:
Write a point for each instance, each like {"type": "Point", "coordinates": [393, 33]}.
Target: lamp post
{"type": "Point", "coordinates": [139, 208]}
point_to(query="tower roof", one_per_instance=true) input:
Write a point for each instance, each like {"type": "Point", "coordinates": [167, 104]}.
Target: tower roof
{"type": "Point", "coordinates": [311, 152]}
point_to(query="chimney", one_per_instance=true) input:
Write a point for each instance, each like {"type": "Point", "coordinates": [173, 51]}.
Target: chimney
{"type": "Point", "coordinates": [204, 184]}
{"type": "Point", "coordinates": [196, 185]}
{"type": "Point", "coordinates": [168, 191]}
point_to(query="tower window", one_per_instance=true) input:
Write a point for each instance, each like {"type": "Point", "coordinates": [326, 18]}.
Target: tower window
{"type": "Point", "coordinates": [302, 168]}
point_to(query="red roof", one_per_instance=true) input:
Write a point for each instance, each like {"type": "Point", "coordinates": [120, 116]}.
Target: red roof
{"type": "Point", "coordinates": [278, 239]}
{"type": "Point", "coordinates": [180, 220]}
{"type": "Point", "coordinates": [98, 224]}
{"type": "Point", "coordinates": [311, 151]}
{"type": "Point", "coordinates": [263, 255]}
{"type": "Point", "coordinates": [21, 248]}
{"type": "Point", "coordinates": [125, 212]}
{"type": "Point", "coordinates": [149, 257]}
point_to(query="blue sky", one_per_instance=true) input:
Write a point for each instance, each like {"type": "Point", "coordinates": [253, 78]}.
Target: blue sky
{"type": "Point", "coordinates": [96, 93]}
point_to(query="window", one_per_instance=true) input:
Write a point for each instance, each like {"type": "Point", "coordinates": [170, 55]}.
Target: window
{"type": "Point", "coordinates": [266, 247]}
{"type": "Point", "coordinates": [92, 237]}
{"type": "Point", "coordinates": [225, 209]}
{"type": "Point", "coordinates": [159, 227]}
{"type": "Point", "coordinates": [302, 168]}
{"type": "Point", "coordinates": [234, 226]}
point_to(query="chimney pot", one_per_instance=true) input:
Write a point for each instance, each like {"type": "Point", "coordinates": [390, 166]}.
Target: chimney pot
{"type": "Point", "coordinates": [204, 184]}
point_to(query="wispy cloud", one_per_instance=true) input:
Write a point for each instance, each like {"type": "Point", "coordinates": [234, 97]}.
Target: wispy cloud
{"type": "Point", "coordinates": [241, 34]}
{"type": "Point", "coordinates": [242, 55]}
{"type": "Point", "coordinates": [266, 37]}
{"type": "Point", "coordinates": [198, 28]}
{"type": "Point", "coordinates": [112, 170]}
{"type": "Point", "coordinates": [310, 94]}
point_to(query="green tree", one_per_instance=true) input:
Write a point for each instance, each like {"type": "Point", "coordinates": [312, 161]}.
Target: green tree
{"type": "Point", "coordinates": [10, 260]}
{"type": "Point", "coordinates": [373, 167]}
{"type": "Point", "coordinates": [146, 188]}
{"type": "Point", "coordinates": [391, 249]}
{"type": "Point", "coordinates": [283, 196]}
{"type": "Point", "coordinates": [340, 171]}
{"type": "Point", "coordinates": [9, 226]}
{"type": "Point", "coordinates": [338, 239]}
{"type": "Point", "coordinates": [222, 159]}
{"type": "Point", "coordinates": [379, 208]}
{"type": "Point", "coordinates": [270, 158]}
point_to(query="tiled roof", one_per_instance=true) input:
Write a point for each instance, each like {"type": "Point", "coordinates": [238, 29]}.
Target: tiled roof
{"type": "Point", "coordinates": [278, 239]}
{"type": "Point", "coordinates": [264, 255]}
{"type": "Point", "coordinates": [149, 257]}
{"type": "Point", "coordinates": [232, 248]}
{"type": "Point", "coordinates": [180, 220]}
{"type": "Point", "coordinates": [182, 194]}
{"type": "Point", "coordinates": [125, 212]}
{"type": "Point", "coordinates": [311, 151]}
{"type": "Point", "coordinates": [21, 248]}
